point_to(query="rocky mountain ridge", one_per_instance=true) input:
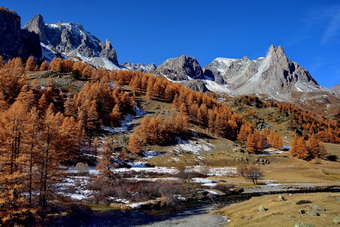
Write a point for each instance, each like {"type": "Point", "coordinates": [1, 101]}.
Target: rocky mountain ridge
{"type": "Point", "coordinates": [274, 75]}
{"type": "Point", "coordinates": [139, 66]}
{"type": "Point", "coordinates": [14, 41]}
{"type": "Point", "coordinates": [72, 40]}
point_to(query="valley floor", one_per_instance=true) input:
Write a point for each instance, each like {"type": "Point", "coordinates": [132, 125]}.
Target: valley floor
{"type": "Point", "coordinates": [315, 209]}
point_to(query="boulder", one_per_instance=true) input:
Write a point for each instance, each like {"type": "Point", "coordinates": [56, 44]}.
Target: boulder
{"type": "Point", "coordinates": [317, 208]}
{"type": "Point", "coordinates": [303, 225]}
{"type": "Point", "coordinates": [312, 213]}
{"type": "Point", "coordinates": [336, 220]}
{"type": "Point", "coordinates": [262, 208]}
{"type": "Point", "coordinates": [281, 198]}
{"type": "Point", "coordinates": [261, 124]}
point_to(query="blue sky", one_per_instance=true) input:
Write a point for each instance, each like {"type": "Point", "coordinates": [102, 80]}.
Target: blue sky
{"type": "Point", "coordinates": [150, 31]}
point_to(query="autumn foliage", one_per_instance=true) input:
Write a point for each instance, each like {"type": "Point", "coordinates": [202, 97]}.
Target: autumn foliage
{"type": "Point", "coordinates": [307, 150]}
{"type": "Point", "coordinates": [158, 131]}
{"type": "Point", "coordinates": [307, 124]}
{"type": "Point", "coordinates": [42, 129]}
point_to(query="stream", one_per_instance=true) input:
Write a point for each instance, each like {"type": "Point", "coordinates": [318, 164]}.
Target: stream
{"type": "Point", "coordinates": [193, 213]}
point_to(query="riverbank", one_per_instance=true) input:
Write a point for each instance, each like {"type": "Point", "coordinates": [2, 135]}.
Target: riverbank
{"type": "Point", "coordinates": [315, 209]}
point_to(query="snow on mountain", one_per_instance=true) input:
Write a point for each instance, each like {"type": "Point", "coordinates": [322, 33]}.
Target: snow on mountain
{"type": "Point", "coordinates": [274, 75]}
{"type": "Point", "coordinates": [139, 67]}
{"type": "Point", "coordinates": [72, 40]}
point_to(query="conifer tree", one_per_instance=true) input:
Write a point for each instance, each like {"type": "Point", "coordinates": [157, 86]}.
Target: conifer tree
{"type": "Point", "coordinates": [30, 64]}
{"type": "Point", "coordinates": [32, 145]}
{"type": "Point", "coordinates": [49, 156]}
{"type": "Point", "coordinates": [106, 163]}
{"type": "Point", "coordinates": [293, 146]}
{"type": "Point", "coordinates": [44, 66]}
{"type": "Point", "coordinates": [2, 62]}
{"type": "Point", "coordinates": [315, 147]}
{"type": "Point", "coordinates": [136, 143]}
{"type": "Point", "coordinates": [301, 150]}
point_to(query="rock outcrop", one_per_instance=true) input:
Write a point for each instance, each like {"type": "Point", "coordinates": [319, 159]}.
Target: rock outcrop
{"type": "Point", "coordinates": [336, 90]}
{"type": "Point", "coordinates": [72, 40]}
{"type": "Point", "coordinates": [181, 68]}
{"type": "Point", "coordinates": [14, 41]}
{"type": "Point", "coordinates": [195, 85]}
{"type": "Point", "coordinates": [139, 67]}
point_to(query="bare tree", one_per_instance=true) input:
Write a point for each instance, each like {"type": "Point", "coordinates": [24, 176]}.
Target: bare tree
{"type": "Point", "coordinates": [252, 173]}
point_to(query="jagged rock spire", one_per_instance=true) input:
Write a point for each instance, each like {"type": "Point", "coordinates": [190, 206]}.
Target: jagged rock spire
{"type": "Point", "coordinates": [37, 26]}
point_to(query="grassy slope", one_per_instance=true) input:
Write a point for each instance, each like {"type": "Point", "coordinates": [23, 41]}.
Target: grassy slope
{"type": "Point", "coordinates": [283, 167]}
{"type": "Point", "coordinates": [282, 213]}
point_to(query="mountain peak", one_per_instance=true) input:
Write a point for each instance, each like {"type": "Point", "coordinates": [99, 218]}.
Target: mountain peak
{"type": "Point", "coordinates": [276, 53]}
{"type": "Point", "coordinates": [181, 67]}
{"type": "Point", "coordinates": [37, 25]}
{"type": "Point", "coordinates": [275, 75]}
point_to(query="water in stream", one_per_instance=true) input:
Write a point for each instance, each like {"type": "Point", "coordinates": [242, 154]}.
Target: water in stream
{"type": "Point", "coordinates": [187, 214]}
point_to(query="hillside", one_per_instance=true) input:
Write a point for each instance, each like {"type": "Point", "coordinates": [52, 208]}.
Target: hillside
{"type": "Point", "coordinates": [84, 132]}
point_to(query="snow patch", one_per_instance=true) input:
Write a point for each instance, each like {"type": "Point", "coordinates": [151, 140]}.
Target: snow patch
{"type": "Point", "coordinates": [150, 154]}
{"type": "Point", "coordinates": [203, 181]}
{"type": "Point", "coordinates": [195, 147]}
{"type": "Point", "coordinates": [126, 123]}
{"type": "Point", "coordinates": [216, 87]}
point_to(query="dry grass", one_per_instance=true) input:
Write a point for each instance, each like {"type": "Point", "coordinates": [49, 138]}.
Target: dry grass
{"type": "Point", "coordinates": [333, 149]}
{"type": "Point", "coordinates": [64, 81]}
{"type": "Point", "coordinates": [283, 213]}
{"type": "Point", "coordinates": [155, 108]}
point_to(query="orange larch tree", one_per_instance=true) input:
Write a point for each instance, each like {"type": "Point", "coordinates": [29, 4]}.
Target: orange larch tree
{"type": "Point", "coordinates": [106, 164]}
{"type": "Point", "coordinates": [30, 64]}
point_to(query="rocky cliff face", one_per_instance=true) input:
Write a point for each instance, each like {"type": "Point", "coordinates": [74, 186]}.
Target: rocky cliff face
{"type": "Point", "coordinates": [181, 68]}
{"type": "Point", "coordinates": [72, 40]}
{"type": "Point", "coordinates": [336, 90]}
{"type": "Point", "coordinates": [15, 42]}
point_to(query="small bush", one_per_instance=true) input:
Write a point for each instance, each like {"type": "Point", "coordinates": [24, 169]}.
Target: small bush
{"type": "Point", "coordinates": [332, 158]}
{"type": "Point", "coordinates": [301, 202]}
{"type": "Point", "coordinates": [138, 191]}
{"type": "Point", "coordinates": [75, 74]}
{"type": "Point", "coordinates": [82, 168]}
{"type": "Point", "coordinates": [224, 188]}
